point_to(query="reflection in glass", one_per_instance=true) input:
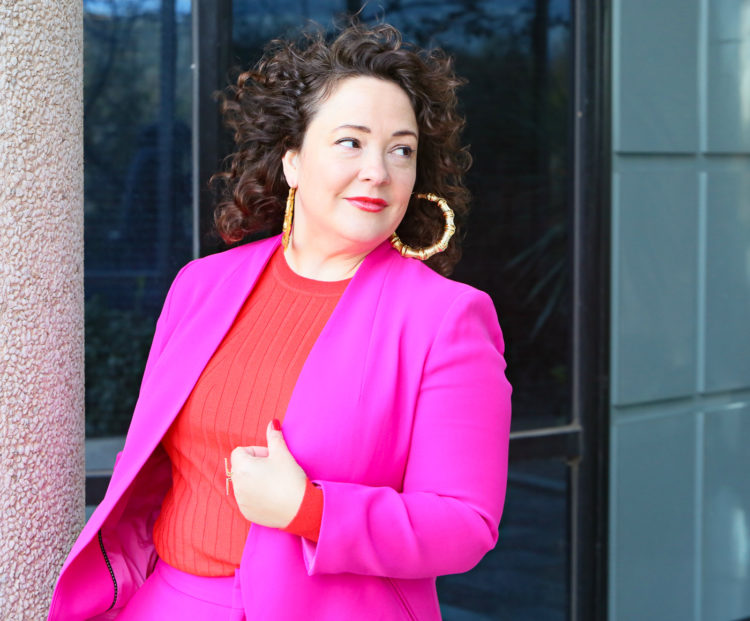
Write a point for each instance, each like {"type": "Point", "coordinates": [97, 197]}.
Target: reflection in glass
{"type": "Point", "coordinates": [525, 576]}
{"type": "Point", "coordinates": [138, 214]}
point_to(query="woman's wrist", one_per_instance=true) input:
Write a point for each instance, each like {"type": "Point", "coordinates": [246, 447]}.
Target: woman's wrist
{"type": "Point", "coordinates": [306, 523]}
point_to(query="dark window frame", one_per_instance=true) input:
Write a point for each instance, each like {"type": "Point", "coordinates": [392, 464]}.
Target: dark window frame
{"type": "Point", "coordinates": [591, 200]}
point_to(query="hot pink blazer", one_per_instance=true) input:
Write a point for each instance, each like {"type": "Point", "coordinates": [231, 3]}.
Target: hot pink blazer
{"type": "Point", "coordinates": [401, 414]}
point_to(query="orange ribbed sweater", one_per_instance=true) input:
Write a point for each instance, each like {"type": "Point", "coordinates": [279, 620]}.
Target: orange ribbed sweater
{"type": "Point", "coordinates": [247, 383]}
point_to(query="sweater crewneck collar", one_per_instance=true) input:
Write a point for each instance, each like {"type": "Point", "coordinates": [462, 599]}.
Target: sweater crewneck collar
{"type": "Point", "coordinates": [284, 274]}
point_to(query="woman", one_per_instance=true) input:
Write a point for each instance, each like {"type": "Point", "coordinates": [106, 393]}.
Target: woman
{"type": "Point", "coordinates": [390, 468]}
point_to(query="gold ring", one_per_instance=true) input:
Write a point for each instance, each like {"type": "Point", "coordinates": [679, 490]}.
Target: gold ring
{"type": "Point", "coordinates": [228, 472]}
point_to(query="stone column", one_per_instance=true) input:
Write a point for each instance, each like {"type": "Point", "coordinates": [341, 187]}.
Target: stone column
{"type": "Point", "coordinates": [41, 298]}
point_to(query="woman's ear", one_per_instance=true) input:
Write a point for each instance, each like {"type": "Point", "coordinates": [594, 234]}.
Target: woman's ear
{"type": "Point", "coordinates": [290, 163]}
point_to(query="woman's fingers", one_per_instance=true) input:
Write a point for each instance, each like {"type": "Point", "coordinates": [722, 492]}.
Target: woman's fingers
{"type": "Point", "coordinates": [257, 451]}
{"type": "Point", "coordinates": [268, 483]}
{"type": "Point", "coordinates": [249, 451]}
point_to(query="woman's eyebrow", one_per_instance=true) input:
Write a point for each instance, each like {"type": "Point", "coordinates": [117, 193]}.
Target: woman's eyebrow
{"type": "Point", "coordinates": [362, 128]}
{"type": "Point", "coordinates": [367, 130]}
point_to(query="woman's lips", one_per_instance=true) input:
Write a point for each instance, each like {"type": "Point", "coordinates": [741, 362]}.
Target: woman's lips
{"type": "Point", "coordinates": [368, 204]}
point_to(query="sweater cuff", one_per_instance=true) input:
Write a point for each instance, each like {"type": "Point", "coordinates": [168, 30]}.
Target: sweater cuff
{"type": "Point", "coordinates": [309, 515]}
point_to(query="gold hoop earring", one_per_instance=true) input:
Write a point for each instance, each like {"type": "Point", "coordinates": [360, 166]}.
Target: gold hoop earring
{"type": "Point", "coordinates": [448, 230]}
{"type": "Point", "coordinates": [286, 229]}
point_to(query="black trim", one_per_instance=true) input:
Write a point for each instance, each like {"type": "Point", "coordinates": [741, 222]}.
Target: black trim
{"type": "Point", "coordinates": [111, 571]}
{"type": "Point", "coordinates": [591, 309]}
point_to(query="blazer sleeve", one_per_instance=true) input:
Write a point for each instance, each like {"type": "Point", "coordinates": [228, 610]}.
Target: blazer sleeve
{"type": "Point", "coordinates": [446, 517]}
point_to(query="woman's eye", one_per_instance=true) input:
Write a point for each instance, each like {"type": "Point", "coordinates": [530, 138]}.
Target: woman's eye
{"type": "Point", "coordinates": [351, 143]}
{"type": "Point", "coordinates": [404, 151]}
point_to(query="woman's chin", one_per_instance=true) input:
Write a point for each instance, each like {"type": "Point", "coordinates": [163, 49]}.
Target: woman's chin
{"type": "Point", "coordinates": [364, 244]}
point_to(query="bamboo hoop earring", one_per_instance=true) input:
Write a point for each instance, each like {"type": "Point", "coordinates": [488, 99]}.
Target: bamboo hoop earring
{"type": "Point", "coordinates": [448, 230]}
{"type": "Point", "coordinates": [286, 229]}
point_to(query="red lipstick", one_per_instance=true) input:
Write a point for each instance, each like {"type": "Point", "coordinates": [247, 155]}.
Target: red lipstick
{"type": "Point", "coordinates": [367, 204]}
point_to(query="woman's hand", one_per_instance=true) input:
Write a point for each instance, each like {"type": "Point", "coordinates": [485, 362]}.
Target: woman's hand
{"type": "Point", "coordinates": [268, 483]}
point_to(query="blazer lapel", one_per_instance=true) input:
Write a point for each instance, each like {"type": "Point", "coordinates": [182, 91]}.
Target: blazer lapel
{"type": "Point", "coordinates": [186, 354]}
{"type": "Point", "coordinates": [328, 390]}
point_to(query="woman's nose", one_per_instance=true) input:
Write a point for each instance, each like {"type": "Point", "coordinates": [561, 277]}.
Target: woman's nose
{"type": "Point", "coordinates": [374, 169]}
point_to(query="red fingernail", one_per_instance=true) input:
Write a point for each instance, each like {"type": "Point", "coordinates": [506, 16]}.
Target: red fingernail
{"type": "Point", "coordinates": [276, 424]}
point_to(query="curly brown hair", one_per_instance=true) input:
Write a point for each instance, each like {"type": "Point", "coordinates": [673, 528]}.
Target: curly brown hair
{"type": "Point", "coordinates": [271, 105]}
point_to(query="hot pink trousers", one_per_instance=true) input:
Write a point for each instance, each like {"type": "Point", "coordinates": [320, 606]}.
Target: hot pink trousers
{"type": "Point", "coordinates": [169, 593]}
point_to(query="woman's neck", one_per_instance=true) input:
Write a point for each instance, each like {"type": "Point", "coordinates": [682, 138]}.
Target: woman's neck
{"type": "Point", "coordinates": [317, 264]}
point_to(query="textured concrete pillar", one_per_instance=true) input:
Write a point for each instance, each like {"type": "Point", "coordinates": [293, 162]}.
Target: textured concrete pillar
{"type": "Point", "coordinates": [41, 297]}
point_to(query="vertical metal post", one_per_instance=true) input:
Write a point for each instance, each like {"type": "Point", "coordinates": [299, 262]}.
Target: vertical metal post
{"type": "Point", "coordinates": [590, 347]}
{"type": "Point", "coordinates": [165, 181]}
{"type": "Point", "coordinates": [212, 44]}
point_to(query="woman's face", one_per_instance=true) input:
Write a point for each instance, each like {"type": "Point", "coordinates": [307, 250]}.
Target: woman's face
{"type": "Point", "coordinates": [356, 168]}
